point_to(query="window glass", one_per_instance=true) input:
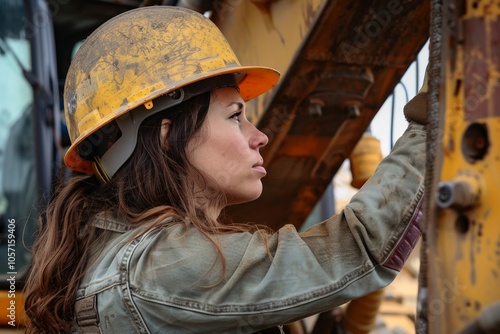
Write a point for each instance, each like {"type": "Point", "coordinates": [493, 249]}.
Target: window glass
{"type": "Point", "coordinates": [17, 160]}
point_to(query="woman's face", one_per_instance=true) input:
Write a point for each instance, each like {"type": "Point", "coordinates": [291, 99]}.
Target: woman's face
{"type": "Point", "coordinates": [227, 151]}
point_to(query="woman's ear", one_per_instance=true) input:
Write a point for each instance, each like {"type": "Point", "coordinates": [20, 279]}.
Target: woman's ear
{"type": "Point", "coordinates": [165, 127]}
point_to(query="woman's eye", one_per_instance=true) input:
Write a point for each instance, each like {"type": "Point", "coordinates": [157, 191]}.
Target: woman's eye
{"type": "Point", "coordinates": [236, 116]}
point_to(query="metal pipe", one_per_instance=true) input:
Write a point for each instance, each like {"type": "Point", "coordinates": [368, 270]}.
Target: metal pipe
{"type": "Point", "coordinates": [361, 313]}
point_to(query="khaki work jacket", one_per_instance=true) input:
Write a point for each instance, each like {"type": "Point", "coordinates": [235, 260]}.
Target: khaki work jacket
{"type": "Point", "coordinates": [165, 280]}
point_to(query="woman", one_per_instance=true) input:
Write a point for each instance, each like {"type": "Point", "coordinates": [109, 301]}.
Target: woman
{"type": "Point", "coordinates": [155, 106]}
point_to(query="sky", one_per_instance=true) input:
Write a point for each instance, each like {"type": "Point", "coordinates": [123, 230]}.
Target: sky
{"type": "Point", "coordinates": [380, 126]}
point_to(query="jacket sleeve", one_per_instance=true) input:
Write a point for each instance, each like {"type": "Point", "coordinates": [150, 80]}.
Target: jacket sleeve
{"type": "Point", "coordinates": [289, 275]}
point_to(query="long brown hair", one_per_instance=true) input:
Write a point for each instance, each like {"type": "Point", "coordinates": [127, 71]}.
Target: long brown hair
{"type": "Point", "coordinates": [155, 183]}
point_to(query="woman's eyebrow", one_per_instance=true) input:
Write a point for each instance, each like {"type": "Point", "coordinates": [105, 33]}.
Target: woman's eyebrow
{"type": "Point", "coordinates": [239, 104]}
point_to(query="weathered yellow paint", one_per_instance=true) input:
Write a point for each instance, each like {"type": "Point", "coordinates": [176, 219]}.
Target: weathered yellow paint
{"type": "Point", "coordinates": [138, 57]}
{"type": "Point", "coordinates": [465, 258]}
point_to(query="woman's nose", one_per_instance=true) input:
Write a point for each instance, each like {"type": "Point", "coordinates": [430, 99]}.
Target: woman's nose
{"type": "Point", "coordinates": [258, 139]}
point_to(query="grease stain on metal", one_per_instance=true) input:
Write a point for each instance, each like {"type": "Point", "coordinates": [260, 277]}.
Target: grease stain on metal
{"type": "Point", "coordinates": [472, 258]}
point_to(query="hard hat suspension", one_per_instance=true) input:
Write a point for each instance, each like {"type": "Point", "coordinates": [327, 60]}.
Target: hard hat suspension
{"type": "Point", "coordinates": [120, 136]}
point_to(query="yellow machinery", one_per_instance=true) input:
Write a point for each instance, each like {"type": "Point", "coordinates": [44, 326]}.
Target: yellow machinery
{"type": "Point", "coordinates": [462, 254]}
{"type": "Point", "coordinates": [340, 60]}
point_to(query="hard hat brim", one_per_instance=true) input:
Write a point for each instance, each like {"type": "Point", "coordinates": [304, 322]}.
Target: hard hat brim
{"type": "Point", "coordinates": [256, 80]}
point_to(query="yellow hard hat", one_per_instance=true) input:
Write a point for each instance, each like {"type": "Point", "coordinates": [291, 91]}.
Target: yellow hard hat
{"type": "Point", "coordinates": [138, 63]}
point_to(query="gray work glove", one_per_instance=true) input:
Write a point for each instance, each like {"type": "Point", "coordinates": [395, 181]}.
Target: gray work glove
{"type": "Point", "coordinates": [416, 109]}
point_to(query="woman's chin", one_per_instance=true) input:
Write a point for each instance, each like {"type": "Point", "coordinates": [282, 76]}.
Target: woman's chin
{"type": "Point", "coordinates": [241, 198]}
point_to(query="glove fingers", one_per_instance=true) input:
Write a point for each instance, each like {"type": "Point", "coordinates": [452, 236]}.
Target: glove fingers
{"type": "Point", "coordinates": [416, 109]}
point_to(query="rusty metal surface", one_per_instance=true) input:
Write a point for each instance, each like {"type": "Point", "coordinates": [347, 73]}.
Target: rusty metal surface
{"type": "Point", "coordinates": [340, 60]}
{"type": "Point", "coordinates": [481, 46]}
